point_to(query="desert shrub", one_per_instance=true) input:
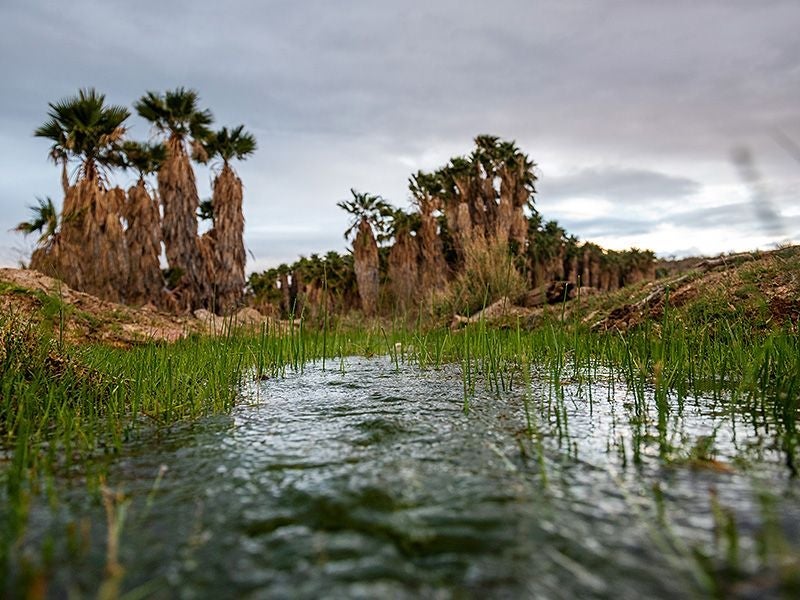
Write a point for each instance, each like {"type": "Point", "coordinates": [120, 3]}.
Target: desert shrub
{"type": "Point", "coordinates": [488, 275]}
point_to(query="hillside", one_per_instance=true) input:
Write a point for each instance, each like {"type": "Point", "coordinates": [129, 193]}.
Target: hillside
{"type": "Point", "coordinates": [760, 288]}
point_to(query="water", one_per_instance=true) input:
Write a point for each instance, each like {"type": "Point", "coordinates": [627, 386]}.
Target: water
{"type": "Point", "coordinates": [374, 483]}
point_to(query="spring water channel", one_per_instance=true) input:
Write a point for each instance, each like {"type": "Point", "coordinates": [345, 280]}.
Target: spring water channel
{"type": "Point", "coordinates": [374, 483]}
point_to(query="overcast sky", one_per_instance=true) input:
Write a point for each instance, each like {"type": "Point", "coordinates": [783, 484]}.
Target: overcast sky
{"type": "Point", "coordinates": [633, 110]}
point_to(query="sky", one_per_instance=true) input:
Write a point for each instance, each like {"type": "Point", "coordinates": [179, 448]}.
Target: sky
{"type": "Point", "coordinates": [672, 126]}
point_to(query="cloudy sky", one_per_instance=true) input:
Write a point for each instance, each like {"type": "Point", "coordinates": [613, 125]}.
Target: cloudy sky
{"type": "Point", "coordinates": [667, 125]}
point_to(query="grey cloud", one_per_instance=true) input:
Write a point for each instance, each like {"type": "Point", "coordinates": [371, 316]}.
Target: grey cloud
{"type": "Point", "coordinates": [277, 246]}
{"type": "Point", "coordinates": [618, 185]}
{"type": "Point", "coordinates": [589, 228]}
{"type": "Point", "coordinates": [337, 91]}
{"type": "Point", "coordinates": [744, 216]}
{"type": "Point", "coordinates": [740, 217]}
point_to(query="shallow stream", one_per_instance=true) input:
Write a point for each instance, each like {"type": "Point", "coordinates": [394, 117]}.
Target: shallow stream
{"type": "Point", "coordinates": [374, 483]}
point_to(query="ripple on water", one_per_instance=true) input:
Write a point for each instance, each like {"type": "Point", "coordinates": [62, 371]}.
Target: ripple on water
{"type": "Point", "coordinates": [374, 483]}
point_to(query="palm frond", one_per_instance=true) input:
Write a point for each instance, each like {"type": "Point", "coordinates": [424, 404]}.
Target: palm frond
{"type": "Point", "coordinates": [229, 144]}
{"type": "Point", "coordinates": [85, 128]}
{"type": "Point", "coordinates": [44, 220]}
{"type": "Point", "coordinates": [175, 113]}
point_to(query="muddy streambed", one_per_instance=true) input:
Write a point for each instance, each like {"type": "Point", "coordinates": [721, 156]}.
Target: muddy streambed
{"type": "Point", "coordinates": [373, 482]}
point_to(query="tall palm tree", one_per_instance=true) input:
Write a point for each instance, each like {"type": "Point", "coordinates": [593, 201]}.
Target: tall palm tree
{"type": "Point", "coordinates": [175, 115]}
{"type": "Point", "coordinates": [368, 217]}
{"type": "Point", "coordinates": [143, 234]}
{"type": "Point", "coordinates": [464, 219]}
{"type": "Point", "coordinates": [426, 192]}
{"type": "Point", "coordinates": [229, 254]}
{"type": "Point", "coordinates": [517, 189]}
{"type": "Point", "coordinates": [92, 254]}
{"type": "Point", "coordinates": [490, 213]}
{"type": "Point", "coordinates": [403, 260]}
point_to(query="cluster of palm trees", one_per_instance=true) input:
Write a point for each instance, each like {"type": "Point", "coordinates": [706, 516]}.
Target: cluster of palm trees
{"type": "Point", "coordinates": [553, 255]}
{"type": "Point", "coordinates": [308, 286]}
{"type": "Point", "coordinates": [107, 241]}
{"type": "Point", "coordinates": [475, 211]}
{"type": "Point", "coordinates": [472, 204]}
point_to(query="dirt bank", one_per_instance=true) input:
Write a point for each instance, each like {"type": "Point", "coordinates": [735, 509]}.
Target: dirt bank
{"type": "Point", "coordinates": [762, 288]}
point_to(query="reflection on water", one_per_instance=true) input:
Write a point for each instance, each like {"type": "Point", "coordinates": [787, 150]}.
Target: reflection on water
{"type": "Point", "coordinates": [374, 483]}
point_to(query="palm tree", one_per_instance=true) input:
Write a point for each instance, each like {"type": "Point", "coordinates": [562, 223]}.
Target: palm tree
{"type": "Point", "coordinates": [143, 234]}
{"type": "Point", "coordinates": [229, 253]}
{"type": "Point", "coordinates": [517, 189]}
{"type": "Point", "coordinates": [368, 216]}
{"type": "Point", "coordinates": [485, 159]}
{"type": "Point", "coordinates": [265, 293]}
{"type": "Point", "coordinates": [341, 281]}
{"type": "Point", "coordinates": [426, 192]}
{"type": "Point", "coordinates": [175, 115]}
{"type": "Point", "coordinates": [82, 127]}
{"type": "Point", "coordinates": [92, 255]}
{"type": "Point", "coordinates": [403, 260]}
{"type": "Point", "coordinates": [44, 220]}
{"type": "Point", "coordinates": [505, 185]}
{"type": "Point", "coordinates": [464, 221]}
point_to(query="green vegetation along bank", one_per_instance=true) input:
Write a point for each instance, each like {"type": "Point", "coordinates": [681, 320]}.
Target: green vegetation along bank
{"type": "Point", "coordinates": [726, 338]}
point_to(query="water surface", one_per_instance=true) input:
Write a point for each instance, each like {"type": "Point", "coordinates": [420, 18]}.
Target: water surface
{"type": "Point", "coordinates": [375, 483]}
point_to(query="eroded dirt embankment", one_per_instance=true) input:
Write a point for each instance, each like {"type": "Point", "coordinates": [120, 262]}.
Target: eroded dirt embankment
{"type": "Point", "coordinates": [78, 318]}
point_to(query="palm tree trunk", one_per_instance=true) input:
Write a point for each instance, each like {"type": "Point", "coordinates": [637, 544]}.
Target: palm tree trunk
{"type": "Point", "coordinates": [178, 192]}
{"type": "Point", "coordinates": [594, 272]}
{"type": "Point", "coordinates": [464, 235]}
{"type": "Point", "coordinates": [404, 270]}
{"type": "Point", "coordinates": [143, 237]}
{"type": "Point", "coordinates": [504, 216]}
{"type": "Point", "coordinates": [572, 271]}
{"type": "Point", "coordinates": [365, 255]}
{"type": "Point", "coordinates": [93, 255]}
{"type": "Point", "coordinates": [64, 176]}
{"type": "Point", "coordinates": [433, 269]}
{"type": "Point", "coordinates": [519, 222]}
{"type": "Point", "coordinates": [229, 254]}
{"type": "Point", "coordinates": [585, 273]}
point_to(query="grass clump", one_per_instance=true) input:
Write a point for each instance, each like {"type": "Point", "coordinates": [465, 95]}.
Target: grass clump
{"type": "Point", "coordinates": [65, 411]}
{"type": "Point", "coordinates": [489, 274]}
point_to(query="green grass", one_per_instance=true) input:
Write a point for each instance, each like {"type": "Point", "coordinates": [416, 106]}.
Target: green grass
{"type": "Point", "coordinates": [62, 409]}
